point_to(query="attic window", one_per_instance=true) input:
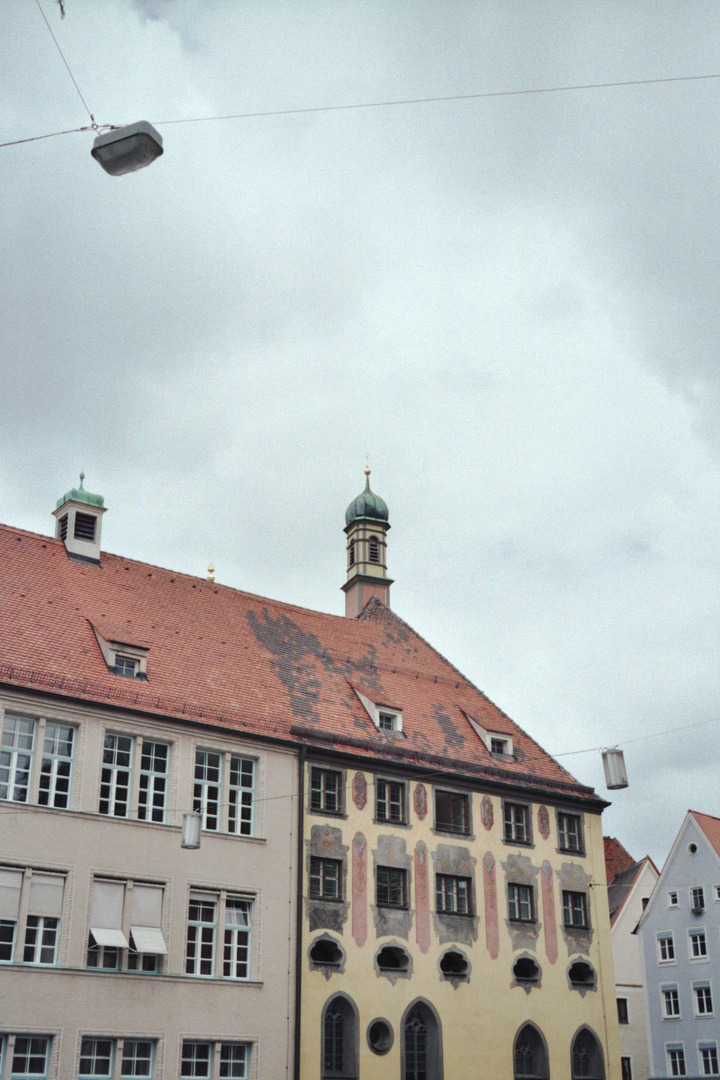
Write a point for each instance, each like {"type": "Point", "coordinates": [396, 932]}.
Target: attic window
{"type": "Point", "coordinates": [84, 527]}
{"type": "Point", "coordinates": [126, 666]}
{"type": "Point", "coordinates": [498, 744]}
{"type": "Point", "coordinates": [388, 721]}
{"type": "Point", "coordinates": [124, 659]}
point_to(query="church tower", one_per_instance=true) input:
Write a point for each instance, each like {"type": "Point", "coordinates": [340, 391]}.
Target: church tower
{"type": "Point", "coordinates": [366, 527]}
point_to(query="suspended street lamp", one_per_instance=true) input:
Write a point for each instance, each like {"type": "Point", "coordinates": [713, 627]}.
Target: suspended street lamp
{"type": "Point", "coordinates": [126, 149]}
{"type": "Point", "coordinates": [615, 771]}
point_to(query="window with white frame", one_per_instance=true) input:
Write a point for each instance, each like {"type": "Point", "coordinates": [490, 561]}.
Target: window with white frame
{"type": "Point", "coordinates": [716, 893]}
{"type": "Point", "coordinates": [390, 887]}
{"type": "Point", "coordinates": [516, 823]}
{"type": "Point", "coordinates": [453, 895]}
{"type": "Point", "coordinates": [325, 878]}
{"type": "Point", "coordinates": [154, 775]}
{"type": "Point", "coordinates": [241, 811]}
{"type": "Point", "coordinates": [207, 912]}
{"type": "Point", "coordinates": [626, 1072]}
{"type": "Point", "coordinates": [697, 898]}
{"type": "Point", "coordinates": [98, 1055]}
{"type": "Point", "coordinates": [670, 1002]}
{"type": "Point", "coordinates": [575, 910]}
{"type": "Point", "coordinates": [521, 907]}
{"type": "Point", "coordinates": [708, 1059]}
{"type": "Point", "coordinates": [569, 832]}
{"type": "Point", "coordinates": [666, 948]}
{"type": "Point", "coordinates": [703, 999]}
{"type": "Point", "coordinates": [115, 775]}
{"type": "Point", "coordinates": [30, 911]}
{"type": "Point", "coordinates": [30, 1057]}
{"type": "Point", "coordinates": [675, 1059]}
{"type": "Point", "coordinates": [672, 898]}
{"type": "Point", "coordinates": [207, 789]}
{"type": "Point", "coordinates": [325, 790]}
{"type": "Point", "coordinates": [126, 926]}
{"type": "Point", "coordinates": [697, 944]}
{"type": "Point", "coordinates": [198, 1059]}
{"type": "Point", "coordinates": [16, 755]}
{"type": "Point", "coordinates": [56, 765]}
{"type": "Point", "coordinates": [390, 801]}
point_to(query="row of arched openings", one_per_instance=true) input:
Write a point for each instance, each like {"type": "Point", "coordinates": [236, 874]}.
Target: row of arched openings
{"type": "Point", "coordinates": [421, 1045]}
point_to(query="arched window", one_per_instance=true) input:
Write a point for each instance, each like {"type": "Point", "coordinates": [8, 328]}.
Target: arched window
{"type": "Point", "coordinates": [530, 1055]}
{"type": "Point", "coordinates": [351, 553]}
{"type": "Point", "coordinates": [339, 1039]}
{"type": "Point", "coordinates": [374, 549]}
{"type": "Point", "coordinates": [587, 1057]}
{"type": "Point", "coordinates": [421, 1043]}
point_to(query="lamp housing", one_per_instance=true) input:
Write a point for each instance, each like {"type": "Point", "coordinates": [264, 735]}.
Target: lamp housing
{"type": "Point", "coordinates": [125, 149]}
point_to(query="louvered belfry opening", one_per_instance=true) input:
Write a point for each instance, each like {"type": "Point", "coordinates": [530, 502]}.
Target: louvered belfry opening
{"type": "Point", "coordinates": [84, 526]}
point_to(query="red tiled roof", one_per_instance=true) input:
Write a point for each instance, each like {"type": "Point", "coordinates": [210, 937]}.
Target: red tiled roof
{"type": "Point", "coordinates": [232, 659]}
{"type": "Point", "coordinates": [617, 858]}
{"type": "Point", "coordinates": [710, 826]}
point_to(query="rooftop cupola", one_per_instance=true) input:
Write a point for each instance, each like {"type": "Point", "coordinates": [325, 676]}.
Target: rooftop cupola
{"type": "Point", "coordinates": [366, 527]}
{"type": "Point", "coordinates": [78, 517]}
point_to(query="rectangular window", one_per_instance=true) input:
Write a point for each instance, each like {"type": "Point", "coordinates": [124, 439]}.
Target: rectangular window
{"type": "Point", "coordinates": [708, 1054]}
{"type": "Point", "coordinates": [206, 794]}
{"type": "Point", "coordinates": [137, 1057]}
{"type": "Point", "coordinates": [202, 923]}
{"type": "Point", "coordinates": [569, 834]}
{"type": "Point", "coordinates": [238, 924]}
{"type": "Point", "coordinates": [676, 1061]}
{"type": "Point", "coordinates": [575, 909]}
{"type": "Point", "coordinates": [325, 878]}
{"type": "Point", "coordinates": [666, 948]}
{"type": "Point", "coordinates": [498, 746]}
{"type": "Point", "coordinates": [517, 823]}
{"type": "Point", "coordinates": [452, 895]}
{"type": "Point", "coordinates": [716, 893]}
{"type": "Point", "coordinates": [697, 898]}
{"type": "Point", "coordinates": [56, 766]}
{"type": "Point", "coordinates": [31, 1058]}
{"type": "Point", "coordinates": [242, 796]}
{"type": "Point", "coordinates": [622, 1008]}
{"type": "Point", "coordinates": [626, 1068]}
{"type": "Point", "coordinates": [96, 1058]}
{"type": "Point", "coordinates": [114, 904]}
{"type": "Point", "coordinates": [42, 927]}
{"type": "Point", "coordinates": [325, 790]}
{"type": "Point", "coordinates": [390, 804]}
{"type": "Point", "coordinates": [671, 1002]}
{"type": "Point", "coordinates": [126, 666]}
{"type": "Point", "coordinates": [452, 812]}
{"type": "Point", "coordinates": [154, 768]}
{"type": "Point", "coordinates": [698, 944]}
{"type": "Point", "coordinates": [391, 887]}
{"type": "Point", "coordinates": [11, 883]}
{"type": "Point", "coordinates": [703, 1000]}
{"type": "Point", "coordinates": [16, 754]}
{"type": "Point", "coordinates": [520, 903]}
{"type": "Point", "coordinates": [672, 898]}
{"type": "Point", "coordinates": [115, 777]}
{"type": "Point", "coordinates": [198, 1057]}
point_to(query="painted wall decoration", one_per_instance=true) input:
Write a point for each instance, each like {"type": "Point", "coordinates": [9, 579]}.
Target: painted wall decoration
{"type": "Point", "coordinates": [548, 900]}
{"type": "Point", "coordinates": [492, 930]}
{"type": "Point", "coordinates": [421, 801]}
{"type": "Point", "coordinates": [359, 790]}
{"type": "Point", "coordinates": [486, 812]}
{"type": "Point", "coordinates": [543, 822]}
{"type": "Point", "coordinates": [422, 897]}
{"type": "Point", "coordinates": [359, 889]}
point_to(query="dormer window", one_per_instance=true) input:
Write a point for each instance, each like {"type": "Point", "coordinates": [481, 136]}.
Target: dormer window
{"type": "Point", "coordinates": [387, 721]}
{"type": "Point", "coordinates": [499, 744]}
{"type": "Point", "coordinates": [384, 717]}
{"type": "Point", "coordinates": [128, 661]}
{"type": "Point", "coordinates": [126, 666]}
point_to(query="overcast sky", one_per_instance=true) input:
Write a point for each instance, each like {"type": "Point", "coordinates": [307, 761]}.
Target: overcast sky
{"type": "Point", "coordinates": [511, 303]}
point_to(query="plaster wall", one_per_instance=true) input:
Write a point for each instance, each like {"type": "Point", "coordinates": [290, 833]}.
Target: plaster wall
{"type": "Point", "coordinates": [480, 1015]}
{"type": "Point", "coordinates": [630, 973]}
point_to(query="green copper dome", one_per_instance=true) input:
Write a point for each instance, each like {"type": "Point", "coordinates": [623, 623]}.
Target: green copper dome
{"type": "Point", "coordinates": [367, 505]}
{"type": "Point", "coordinates": [80, 495]}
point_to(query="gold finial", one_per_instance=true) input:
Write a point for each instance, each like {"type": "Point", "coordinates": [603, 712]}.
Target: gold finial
{"type": "Point", "coordinates": [211, 568]}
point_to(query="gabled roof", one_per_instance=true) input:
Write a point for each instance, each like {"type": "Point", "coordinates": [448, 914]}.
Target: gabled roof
{"type": "Point", "coordinates": [228, 658]}
{"type": "Point", "coordinates": [710, 826]}
{"type": "Point", "coordinates": [622, 885]}
{"type": "Point", "coordinates": [617, 858]}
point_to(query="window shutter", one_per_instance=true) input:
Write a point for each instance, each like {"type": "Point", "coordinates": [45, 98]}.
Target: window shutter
{"type": "Point", "coordinates": [107, 904]}
{"type": "Point", "coordinates": [46, 895]}
{"type": "Point", "coordinates": [146, 905]}
{"type": "Point", "coordinates": [10, 886]}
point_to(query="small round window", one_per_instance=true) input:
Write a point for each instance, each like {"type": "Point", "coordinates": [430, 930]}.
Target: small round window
{"type": "Point", "coordinates": [379, 1036]}
{"type": "Point", "coordinates": [692, 848]}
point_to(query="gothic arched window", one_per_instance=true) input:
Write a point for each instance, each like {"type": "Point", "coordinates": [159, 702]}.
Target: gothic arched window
{"type": "Point", "coordinates": [339, 1039]}
{"type": "Point", "coordinates": [587, 1057]}
{"type": "Point", "coordinates": [530, 1055]}
{"type": "Point", "coordinates": [421, 1043]}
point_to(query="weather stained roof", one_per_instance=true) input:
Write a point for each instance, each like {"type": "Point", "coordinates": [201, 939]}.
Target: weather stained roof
{"type": "Point", "coordinates": [223, 657]}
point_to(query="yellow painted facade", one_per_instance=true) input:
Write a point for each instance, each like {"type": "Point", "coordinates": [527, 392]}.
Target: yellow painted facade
{"type": "Point", "coordinates": [479, 1015]}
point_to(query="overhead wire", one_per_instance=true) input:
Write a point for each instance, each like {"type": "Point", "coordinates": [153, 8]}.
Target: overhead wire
{"type": "Point", "coordinates": [57, 43]}
{"type": "Point", "coordinates": [305, 110]}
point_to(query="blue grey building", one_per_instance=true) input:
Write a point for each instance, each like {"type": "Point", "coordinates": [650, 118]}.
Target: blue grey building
{"type": "Point", "coordinates": [680, 935]}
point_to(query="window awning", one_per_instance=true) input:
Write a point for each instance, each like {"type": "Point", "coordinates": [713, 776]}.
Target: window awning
{"type": "Point", "coordinates": [113, 939]}
{"type": "Point", "coordinates": [148, 939]}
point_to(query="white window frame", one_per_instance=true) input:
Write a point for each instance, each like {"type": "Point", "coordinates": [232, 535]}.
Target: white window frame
{"type": "Point", "coordinates": [13, 755]}
{"type": "Point", "coordinates": [676, 1047]}
{"type": "Point", "coordinates": [574, 903]}
{"type": "Point", "coordinates": [670, 1002]}
{"type": "Point", "coordinates": [85, 1050]}
{"type": "Point", "coordinates": [324, 873]}
{"type": "Point", "coordinates": [712, 1046]}
{"type": "Point", "coordinates": [699, 933]}
{"type": "Point", "coordinates": [453, 895]}
{"type": "Point", "coordinates": [242, 795]}
{"type": "Point", "coordinates": [697, 987]}
{"type": "Point", "coordinates": [55, 761]}
{"type": "Point", "coordinates": [238, 937]}
{"type": "Point", "coordinates": [207, 791]}
{"type": "Point", "coordinates": [672, 898]}
{"type": "Point", "coordinates": [121, 946]}
{"type": "Point", "coordinates": [515, 892]}
{"type": "Point", "coordinates": [220, 904]}
{"type": "Point", "coordinates": [39, 914]}
{"type": "Point", "coordinates": [665, 935]}
{"type": "Point", "coordinates": [320, 774]}
{"type": "Point", "coordinates": [111, 771]}
{"type": "Point", "coordinates": [216, 1049]}
{"type": "Point", "coordinates": [697, 898]}
{"type": "Point", "coordinates": [565, 834]}
{"type": "Point", "coordinates": [487, 737]}
{"type": "Point", "coordinates": [517, 821]}
{"type": "Point", "coordinates": [392, 716]}
{"type": "Point", "coordinates": [13, 1049]}
{"type": "Point", "coordinates": [42, 925]}
{"type": "Point", "coordinates": [156, 782]}
{"type": "Point", "coordinates": [387, 807]}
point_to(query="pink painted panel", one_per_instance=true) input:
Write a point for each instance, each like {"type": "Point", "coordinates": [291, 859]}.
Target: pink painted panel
{"type": "Point", "coordinates": [548, 900]}
{"type": "Point", "coordinates": [359, 889]}
{"type": "Point", "coordinates": [422, 897]}
{"type": "Point", "coordinates": [492, 930]}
